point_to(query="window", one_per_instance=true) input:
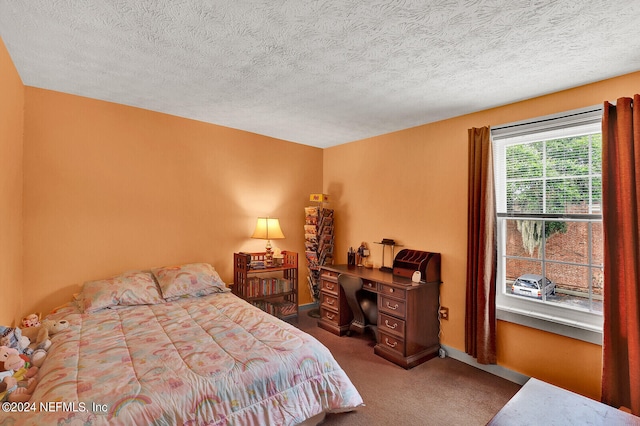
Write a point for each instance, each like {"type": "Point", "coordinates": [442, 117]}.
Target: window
{"type": "Point", "coordinates": [548, 192]}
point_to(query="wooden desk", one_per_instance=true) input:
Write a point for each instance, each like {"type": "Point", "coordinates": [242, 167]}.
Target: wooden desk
{"type": "Point", "coordinates": [540, 403]}
{"type": "Point", "coordinates": [408, 320]}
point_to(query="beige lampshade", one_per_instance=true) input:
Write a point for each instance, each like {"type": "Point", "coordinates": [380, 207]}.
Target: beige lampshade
{"type": "Point", "coordinates": [268, 228]}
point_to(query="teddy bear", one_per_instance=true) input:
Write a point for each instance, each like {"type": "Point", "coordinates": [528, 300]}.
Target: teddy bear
{"type": "Point", "coordinates": [17, 377]}
{"type": "Point", "coordinates": [39, 337]}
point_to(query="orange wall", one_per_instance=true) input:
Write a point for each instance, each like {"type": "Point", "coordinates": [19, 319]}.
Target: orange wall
{"type": "Point", "coordinates": [411, 186]}
{"type": "Point", "coordinates": [109, 188]}
{"type": "Point", "coordinates": [11, 125]}
{"type": "Point", "coordinates": [568, 363]}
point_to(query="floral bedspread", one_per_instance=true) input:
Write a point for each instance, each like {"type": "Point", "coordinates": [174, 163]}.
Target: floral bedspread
{"type": "Point", "coordinates": [211, 360]}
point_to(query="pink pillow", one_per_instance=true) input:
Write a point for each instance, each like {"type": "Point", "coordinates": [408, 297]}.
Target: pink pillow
{"type": "Point", "coordinates": [128, 289]}
{"type": "Point", "coordinates": [191, 279]}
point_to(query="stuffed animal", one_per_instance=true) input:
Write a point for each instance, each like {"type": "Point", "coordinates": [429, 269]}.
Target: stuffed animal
{"type": "Point", "coordinates": [13, 338]}
{"type": "Point", "coordinates": [17, 376]}
{"type": "Point", "coordinates": [39, 336]}
{"type": "Point", "coordinates": [31, 320]}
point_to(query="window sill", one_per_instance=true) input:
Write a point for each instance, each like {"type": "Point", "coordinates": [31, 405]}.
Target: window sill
{"type": "Point", "coordinates": [562, 326]}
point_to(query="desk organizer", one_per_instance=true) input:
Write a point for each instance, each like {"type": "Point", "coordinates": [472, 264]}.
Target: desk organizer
{"type": "Point", "coordinates": [408, 261]}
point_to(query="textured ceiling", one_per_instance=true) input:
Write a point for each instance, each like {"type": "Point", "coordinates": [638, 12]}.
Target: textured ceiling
{"type": "Point", "coordinates": [319, 72]}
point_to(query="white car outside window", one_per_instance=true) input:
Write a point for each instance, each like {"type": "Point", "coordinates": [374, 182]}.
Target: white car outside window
{"type": "Point", "coordinates": [533, 285]}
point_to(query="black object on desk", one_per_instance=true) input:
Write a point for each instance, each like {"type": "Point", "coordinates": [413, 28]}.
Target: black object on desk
{"type": "Point", "coordinates": [351, 257]}
{"type": "Point", "coordinates": [387, 242]}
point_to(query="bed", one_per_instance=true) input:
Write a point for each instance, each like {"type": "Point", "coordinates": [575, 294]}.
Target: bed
{"type": "Point", "coordinates": [173, 346]}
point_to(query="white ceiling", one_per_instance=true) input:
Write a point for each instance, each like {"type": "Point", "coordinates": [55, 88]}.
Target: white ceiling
{"type": "Point", "coordinates": [319, 72]}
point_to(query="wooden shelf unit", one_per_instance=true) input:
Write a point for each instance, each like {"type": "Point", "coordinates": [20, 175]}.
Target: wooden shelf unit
{"type": "Point", "coordinates": [273, 289]}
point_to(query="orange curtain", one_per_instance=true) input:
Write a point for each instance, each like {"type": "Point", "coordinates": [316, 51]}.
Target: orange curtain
{"type": "Point", "coordinates": [480, 318]}
{"type": "Point", "coordinates": [621, 218]}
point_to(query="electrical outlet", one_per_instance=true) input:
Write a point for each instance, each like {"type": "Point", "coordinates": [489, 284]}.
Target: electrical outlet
{"type": "Point", "coordinates": [444, 313]}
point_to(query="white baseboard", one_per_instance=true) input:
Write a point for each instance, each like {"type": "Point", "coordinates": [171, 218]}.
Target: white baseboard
{"type": "Point", "coordinates": [497, 370]}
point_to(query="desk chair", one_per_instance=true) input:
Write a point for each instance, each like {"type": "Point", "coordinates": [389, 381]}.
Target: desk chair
{"type": "Point", "coordinates": [365, 310]}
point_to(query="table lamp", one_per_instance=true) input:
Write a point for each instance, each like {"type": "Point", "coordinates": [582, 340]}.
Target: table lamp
{"type": "Point", "coordinates": [268, 228]}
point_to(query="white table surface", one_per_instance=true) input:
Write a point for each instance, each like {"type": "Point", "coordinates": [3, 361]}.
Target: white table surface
{"type": "Point", "coordinates": [540, 403]}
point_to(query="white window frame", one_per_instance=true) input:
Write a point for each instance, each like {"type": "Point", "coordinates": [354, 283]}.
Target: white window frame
{"type": "Point", "coordinates": [550, 317]}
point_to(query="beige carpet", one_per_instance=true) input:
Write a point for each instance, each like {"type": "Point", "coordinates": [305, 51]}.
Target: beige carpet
{"type": "Point", "coordinates": [437, 392]}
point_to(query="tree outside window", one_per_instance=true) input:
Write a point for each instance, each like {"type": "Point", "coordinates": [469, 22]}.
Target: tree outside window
{"type": "Point", "coordinates": [552, 216]}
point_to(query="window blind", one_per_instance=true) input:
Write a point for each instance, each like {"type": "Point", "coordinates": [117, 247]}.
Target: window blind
{"type": "Point", "coordinates": [550, 165]}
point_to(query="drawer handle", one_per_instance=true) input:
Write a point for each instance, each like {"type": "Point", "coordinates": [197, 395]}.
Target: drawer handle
{"type": "Point", "coordinates": [330, 301]}
{"type": "Point", "coordinates": [330, 316]}
{"type": "Point", "coordinates": [392, 307]}
{"type": "Point", "coordinates": [393, 327]}
{"type": "Point", "coordinates": [389, 344]}
{"type": "Point", "coordinates": [329, 286]}
{"type": "Point", "coordinates": [390, 290]}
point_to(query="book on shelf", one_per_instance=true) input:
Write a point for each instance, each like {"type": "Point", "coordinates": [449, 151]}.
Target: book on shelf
{"type": "Point", "coordinates": [312, 258]}
{"type": "Point", "coordinates": [286, 308]}
{"type": "Point", "coordinates": [312, 238]}
{"type": "Point", "coordinates": [267, 286]}
{"type": "Point", "coordinates": [279, 309]}
{"type": "Point", "coordinates": [326, 220]}
{"type": "Point", "coordinates": [326, 258]}
{"type": "Point", "coordinates": [327, 230]}
{"type": "Point", "coordinates": [257, 264]}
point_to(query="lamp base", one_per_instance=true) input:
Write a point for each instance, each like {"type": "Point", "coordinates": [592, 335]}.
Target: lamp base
{"type": "Point", "coordinates": [268, 254]}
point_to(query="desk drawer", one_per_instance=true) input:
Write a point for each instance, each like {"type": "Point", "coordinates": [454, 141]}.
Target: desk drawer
{"type": "Point", "coordinates": [328, 274]}
{"type": "Point", "coordinates": [391, 325]}
{"type": "Point", "coordinates": [393, 291]}
{"type": "Point", "coordinates": [330, 316]}
{"type": "Point", "coordinates": [329, 300]}
{"type": "Point", "coordinates": [392, 343]}
{"type": "Point", "coordinates": [370, 285]}
{"type": "Point", "coordinates": [392, 306]}
{"type": "Point", "coordinates": [329, 287]}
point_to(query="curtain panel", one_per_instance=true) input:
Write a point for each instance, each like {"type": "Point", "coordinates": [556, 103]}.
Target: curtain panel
{"type": "Point", "coordinates": [480, 315]}
{"type": "Point", "coordinates": [621, 218]}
